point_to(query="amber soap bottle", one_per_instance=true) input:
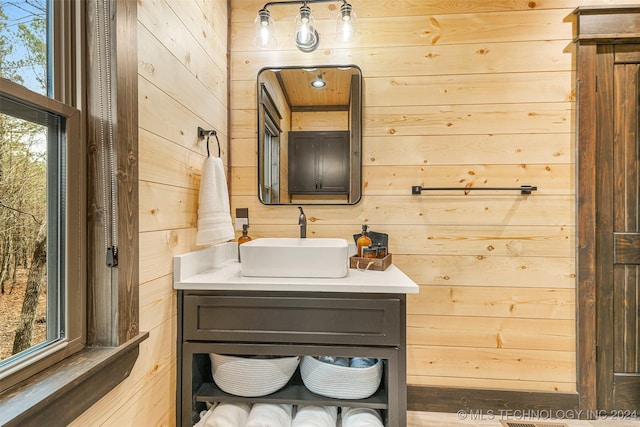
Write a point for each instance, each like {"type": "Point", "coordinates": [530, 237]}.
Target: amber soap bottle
{"type": "Point", "coordinates": [245, 237]}
{"type": "Point", "coordinates": [364, 240]}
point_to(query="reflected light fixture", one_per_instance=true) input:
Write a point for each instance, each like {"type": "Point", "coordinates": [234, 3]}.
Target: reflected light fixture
{"type": "Point", "coordinates": [305, 36]}
{"type": "Point", "coordinates": [318, 82]}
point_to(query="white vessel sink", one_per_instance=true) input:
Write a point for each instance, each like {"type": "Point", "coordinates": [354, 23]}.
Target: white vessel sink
{"type": "Point", "coordinates": [291, 257]}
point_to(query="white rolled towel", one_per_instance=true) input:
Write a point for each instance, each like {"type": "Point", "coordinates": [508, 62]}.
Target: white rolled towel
{"type": "Point", "coordinates": [316, 416]}
{"type": "Point", "coordinates": [226, 415]}
{"type": "Point", "coordinates": [205, 413]}
{"type": "Point", "coordinates": [361, 417]}
{"type": "Point", "coordinates": [269, 415]}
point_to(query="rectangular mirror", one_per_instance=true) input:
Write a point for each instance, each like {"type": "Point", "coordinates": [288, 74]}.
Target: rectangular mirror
{"type": "Point", "coordinates": [309, 135]}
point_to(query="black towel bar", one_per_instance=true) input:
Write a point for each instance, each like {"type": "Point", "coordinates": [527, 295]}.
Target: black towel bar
{"type": "Point", "coordinates": [524, 189]}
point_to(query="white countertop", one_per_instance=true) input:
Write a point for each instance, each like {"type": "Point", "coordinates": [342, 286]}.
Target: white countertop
{"type": "Point", "coordinates": [217, 269]}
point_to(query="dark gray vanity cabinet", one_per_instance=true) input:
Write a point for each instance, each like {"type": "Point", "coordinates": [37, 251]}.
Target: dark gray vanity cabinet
{"type": "Point", "coordinates": [290, 324]}
{"type": "Point", "coordinates": [319, 162]}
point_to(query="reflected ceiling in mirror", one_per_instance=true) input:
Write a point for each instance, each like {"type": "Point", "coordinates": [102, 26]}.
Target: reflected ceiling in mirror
{"type": "Point", "coordinates": [309, 135]}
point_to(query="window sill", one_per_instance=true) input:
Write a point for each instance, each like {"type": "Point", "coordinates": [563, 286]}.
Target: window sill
{"type": "Point", "coordinates": [70, 387]}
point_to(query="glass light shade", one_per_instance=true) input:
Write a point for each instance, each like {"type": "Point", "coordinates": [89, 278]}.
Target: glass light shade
{"type": "Point", "coordinates": [306, 37]}
{"type": "Point", "coordinates": [265, 37]}
{"type": "Point", "coordinates": [346, 24]}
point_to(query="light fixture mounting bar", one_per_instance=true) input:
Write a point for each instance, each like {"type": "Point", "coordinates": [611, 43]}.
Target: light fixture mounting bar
{"type": "Point", "coordinates": [276, 3]}
{"type": "Point", "coordinates": [305, 36]}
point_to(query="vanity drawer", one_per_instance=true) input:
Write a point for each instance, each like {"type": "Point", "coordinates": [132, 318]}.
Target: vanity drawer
{"type": "Point", "coordinates": [294, 319]}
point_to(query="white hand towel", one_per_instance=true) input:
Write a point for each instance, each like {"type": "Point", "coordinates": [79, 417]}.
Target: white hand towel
{"type": "Point", "coordinates": [214, 217]}
{"type": "Point", "coordinates": [316, 416]}
{"type": "Point", "coordinates": [226, 415]}
{"type": "Point", "coordinates": [361, 417]}
{"type": "Point", "coordinates": [270, 415]}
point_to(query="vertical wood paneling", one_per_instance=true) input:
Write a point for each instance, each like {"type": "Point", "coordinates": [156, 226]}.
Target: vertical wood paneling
{"type": "Point", "coordinates": [626, 217]}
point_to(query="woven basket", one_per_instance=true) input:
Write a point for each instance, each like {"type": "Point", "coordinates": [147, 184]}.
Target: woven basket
{"type": "Point", "coordinates": [340, 382]}
{"type": "Point", "coordinates": [251, 377]}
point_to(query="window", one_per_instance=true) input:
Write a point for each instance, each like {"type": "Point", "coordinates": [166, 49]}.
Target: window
{"type": "Point", "coordinates": [41, 193]}
{"type": "Point", "coordinates": [65, 121]}
{"type": "Point", "coordinates": [24, 43]}
{"type": "Point", "coordinates": [269, 149]}
{"type": "Point", "coordinates": [271, 166]}
{"type": "Point", "coordinates": [32, 197]}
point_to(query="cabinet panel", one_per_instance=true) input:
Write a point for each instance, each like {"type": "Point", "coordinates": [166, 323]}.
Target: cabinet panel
{"type": "Point", "coordinates": [319, 162]}
{"type": "Point", "coordinates": [290, 324]}
{"type": "Point", "coordinates": [333, 163]}
{"type": "Point", "coordinates": [303, 162]}
{"type": "Point", "coordinates": [292, 319]}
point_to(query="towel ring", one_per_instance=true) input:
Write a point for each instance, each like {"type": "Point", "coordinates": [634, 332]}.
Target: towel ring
{"type": "Point", "coordinates": [202, 133]}
{"type": "Point", "coordinates": [213, 132]}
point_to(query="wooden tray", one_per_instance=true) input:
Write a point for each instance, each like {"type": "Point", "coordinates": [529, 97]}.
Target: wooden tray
{"type": "Point", "coordinates": [377, 264]}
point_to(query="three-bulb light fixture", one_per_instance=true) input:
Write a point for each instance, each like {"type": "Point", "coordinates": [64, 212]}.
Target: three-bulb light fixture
{"type": "Point", "coordinates": [305, 35]}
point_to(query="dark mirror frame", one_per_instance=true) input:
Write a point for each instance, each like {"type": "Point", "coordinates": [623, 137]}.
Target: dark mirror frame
{"type": "Point", "coordinates": [283, 180]}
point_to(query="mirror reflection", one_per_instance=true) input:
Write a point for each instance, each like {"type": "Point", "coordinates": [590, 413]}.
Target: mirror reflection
{"type": "Point", "coordinates": [309, 135]}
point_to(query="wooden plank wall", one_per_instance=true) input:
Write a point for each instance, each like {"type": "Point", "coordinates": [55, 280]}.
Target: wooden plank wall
{"type": "Point", "coordinates": [470, 94]}
{"type": "Point", "coordinates": [183, 84]}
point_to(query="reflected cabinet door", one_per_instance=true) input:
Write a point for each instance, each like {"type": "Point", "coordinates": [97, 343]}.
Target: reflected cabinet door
{"type": "Point", "coordinates": [319, 162]}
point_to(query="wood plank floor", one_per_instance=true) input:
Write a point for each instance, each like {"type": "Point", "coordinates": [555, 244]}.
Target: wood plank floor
{"type": "Point", "coordinates": [437, 419]}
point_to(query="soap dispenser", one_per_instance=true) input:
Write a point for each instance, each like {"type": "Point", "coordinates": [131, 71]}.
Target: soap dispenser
{"type": "Point", "coordinates": [245, 237]}
{"type": "Point", "coordinates": [364, 240]}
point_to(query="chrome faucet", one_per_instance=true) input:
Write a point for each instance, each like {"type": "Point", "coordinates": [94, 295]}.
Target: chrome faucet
{"type": "Point", "coordinates": [302, 222]}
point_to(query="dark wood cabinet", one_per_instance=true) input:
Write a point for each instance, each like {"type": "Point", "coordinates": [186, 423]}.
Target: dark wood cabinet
{"type": "Point", "coordinates": [294, 324]}
{"type": "Point", "coordinates": [319, 162]}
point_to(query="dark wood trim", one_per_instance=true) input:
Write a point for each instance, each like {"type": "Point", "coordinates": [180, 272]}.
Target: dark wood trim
{"type": "Point", "coordinates": [319, 108]}
{"type": "Point", "coordinates": [607, 24]}
{"type": "Point", "coordinates": [284, 91]}
{"type": "Point", "coordinates": [113, 293]}
{"type": "Point", "coordinates": [603, 120]}
{"type": "Point", "coordinates": [228, 143]}
{"type": "Point", "coordinates": [355, 124]}
{"type": "Point", "coordinates": [179, 355]}
{"type": "Point", "coordinates": [126, 28]}
{"type": "Point", "coordinates": [586, 226]}
{"type": "Point", "coordinates": [594, 26]}
{"type": "Point", "coordinates": [58, 395]}
{"type": "Point", "coordinates": [267, 101]}
{"type": "Point", "coordinates": [486, 401]}
{"type": "Point", "coordinates": [96, 270]}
